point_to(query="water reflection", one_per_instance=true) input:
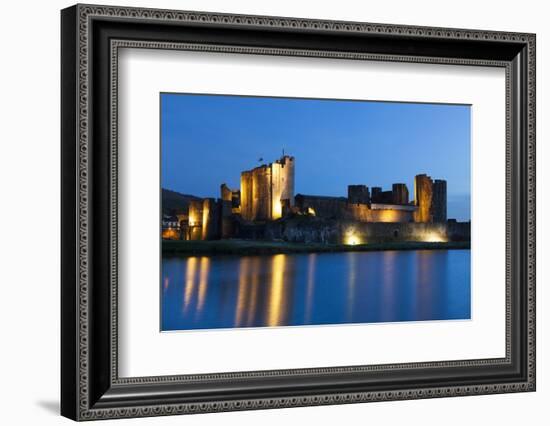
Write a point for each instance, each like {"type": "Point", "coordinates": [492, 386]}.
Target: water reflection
{"type": "Point", "coordinates": [203, 282]}
{"type": "Point", "coordinates": [298, 289]}
{"type": "Point", "coordinates": [389, 304]}
{"type": "Point", "coordinates": [277, 290]}
{"type": "Point", "coordinates": [189, 287]}
{"type": "Point", "coordinates": [352, 280]}
{"type": "Point", "coordinates": [311, 261]}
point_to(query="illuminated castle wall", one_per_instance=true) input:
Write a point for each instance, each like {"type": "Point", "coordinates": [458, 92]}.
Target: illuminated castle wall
{"type": "Point", "coordinates": [362, 205]}
{"type": "Point", "coordinates": [423, 192]}
{"type": "Point", "coordinates": [267, 189]}
{"type": "Point", "coordinates": [431, 199]}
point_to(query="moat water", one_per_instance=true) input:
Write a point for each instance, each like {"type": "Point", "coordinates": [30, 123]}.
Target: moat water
{"type": "Point", "coordinates": [209, 292]}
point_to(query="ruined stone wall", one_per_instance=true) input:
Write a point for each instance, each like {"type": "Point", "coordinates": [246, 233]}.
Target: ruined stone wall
{"type": "Point", "coordinates": [233, 196]}
{"type": "Point", "coordinates": [226, 193]}
{"type": "Point", "coordinates": [383, 232]}
{"type": "Point", "coordinates": [358, 194]}
{"type": "Point", "coordinates": [211, 215]}
{"type": "Point", "coordinates": [439, 201]}
{"type": "Point", "coordinates": [324, 207]}
{"type": "Point", "coordinates": [431, 232]}
{"type": "Point", "coordinates": [340, 208]}
{"type": "Point", "coordinates": [375, 194]}
{"type": "Point", "coordinates": [195, 220]}
{"type": "Point", "coordinates": [362, 213]}
{"type": "Point", "coordinates": [247, 211]}
{"type": "Point", "coordinates": [261, 193]}
{"type": "Point", "coordinates": [382, 197]}
{"type": "Point", "coordinates": [423, 192]}
{"type": "Point", "coordinates": [227, 228]}
{"type": "Point", "coordinates": [236, 201]}
{"type": "Point", "coordinates": [341, 231]}
{"type": "Point", "coordinates": [251, 230]}
{"type": "Point", "coordinates": [304, 230]}
{"type": "Point", "coordinates": [400, 194]}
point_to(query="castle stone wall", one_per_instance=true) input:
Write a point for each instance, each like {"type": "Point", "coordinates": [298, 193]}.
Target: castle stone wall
{"type": "Point", "coordinates": [400, 193]}
{"type": "Point", "coordinates": [247, 211]}
{"type": "Point", "coordinates": [227, 228]}
{"type": "Point", "coordinates": [379, 196]}
{"type": "Point", "coordinates": [341, 231]}
{"type": "Point", "coordinates": [423, 192]}
{"type": "Point", "coordinates": [439, 201]}
{"type": "Point", "coordinates": [226, 193]}
{"type": "Point", "coordinates": [211, 215]}
{"type": "Point", "coordinates": [324, 207]}
{"type": "Point", "coordinates": [358, 194]}
{"type": "Point", "coordinates": [364, 213]}
{"type": "Point", "coordinates": [340, 208]}
{"type": "Point", "coordinates": [195, 220]}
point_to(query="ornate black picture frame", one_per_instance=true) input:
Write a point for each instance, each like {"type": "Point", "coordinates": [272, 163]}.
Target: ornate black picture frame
{"type": "Point", "coordinates": [91, 387]}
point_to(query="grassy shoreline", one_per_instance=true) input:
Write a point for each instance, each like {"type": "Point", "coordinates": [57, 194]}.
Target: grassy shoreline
{"type": "Point", "coordinates": [257, 247]}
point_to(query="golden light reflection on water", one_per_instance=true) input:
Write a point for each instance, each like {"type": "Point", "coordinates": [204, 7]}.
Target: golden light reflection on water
{"type": "Point", "coordinates": [247, 293]}
{"type": "Point", "coordinates": [276, 291]}
{"type": "Point", "coordinates": [242, 292]}
{"type": "Point", "coordinates": [253, 303]}
{"type": "Point", "coordinates": [203, 282]}
{"type": "Point", "coordinates": [190, 271]}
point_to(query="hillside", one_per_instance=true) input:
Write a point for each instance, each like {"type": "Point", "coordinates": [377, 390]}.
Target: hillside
{"type": "Point", "coordinates": [175, 203]}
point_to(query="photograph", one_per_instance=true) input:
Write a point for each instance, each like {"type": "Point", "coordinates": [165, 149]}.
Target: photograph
{"type": "Point", "coordinates": [281, 211]}
{"type": "Point", "coordinates": [265, 209]}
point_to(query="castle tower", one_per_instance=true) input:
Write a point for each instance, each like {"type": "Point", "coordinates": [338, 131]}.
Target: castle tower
{"type": "Point", "coordinates": [400, 194]}
{"type": "Point", "coordinates": [423, 193]}
{"type": "Point", "coordinates": [439, 201]}
{"type": "Point", "coordinates": [376, 194]}
{"type": "Point", "coordinates": [195, 220]}
{"type": "Point", "coordinates": [225, 192]}
{"type": "Point", "coordinates": [211, 219]}
{"type": "Point", "coordinates": [265, 189]}
{"type": "Point", "coordinates": [282, 185]}
{"type": "Point", "coordinates": [233, 197]}
{"type": "Point", "coordinates": [246, 195]}
{"type": "Point", "coordinates": [358, 194]}
{"type": "Point", "coordinates": [261, 193]}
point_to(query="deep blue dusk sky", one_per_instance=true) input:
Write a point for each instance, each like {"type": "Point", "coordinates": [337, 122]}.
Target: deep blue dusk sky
{"type": "Point", "coordinates": [207, 140]}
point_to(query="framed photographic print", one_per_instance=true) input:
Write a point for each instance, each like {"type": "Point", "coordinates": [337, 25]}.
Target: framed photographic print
{"type": "Point", "coordinates": [263, 212]}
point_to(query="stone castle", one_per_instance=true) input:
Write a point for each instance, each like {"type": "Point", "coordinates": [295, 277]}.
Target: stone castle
{"type": "Point", "coordinates": [265, 201]}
